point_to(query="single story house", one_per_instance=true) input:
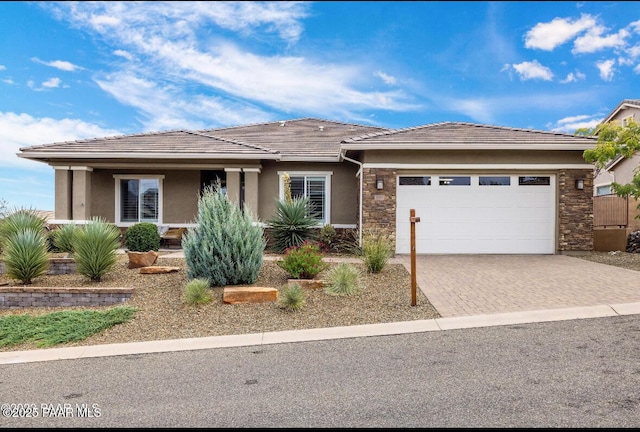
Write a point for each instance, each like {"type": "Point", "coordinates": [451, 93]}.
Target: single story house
{"type": "Point", "coordinates": [476, 188]}
{"type": "Point", "coordinates": [617, 212]}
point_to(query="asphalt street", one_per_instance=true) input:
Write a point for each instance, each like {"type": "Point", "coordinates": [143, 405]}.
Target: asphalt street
{"type": "Point", "coordinates": [575, 373]}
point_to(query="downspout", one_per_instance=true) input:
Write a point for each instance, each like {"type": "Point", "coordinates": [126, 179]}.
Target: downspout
{"type": "Point", "coordinates": [358, 174]}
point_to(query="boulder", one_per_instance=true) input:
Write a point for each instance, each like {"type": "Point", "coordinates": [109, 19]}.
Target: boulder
{"type": "Point", "coordinates": [234, 295]}
{"type": "Point", "coordinates": [142, 259]}
{"type": "Point", "coordinates": [307, 283]}
{"type": "Point", "coordinates": [158, 269]}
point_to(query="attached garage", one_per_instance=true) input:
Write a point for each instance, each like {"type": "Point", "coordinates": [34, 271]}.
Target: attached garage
{"type": "Point", "coordinates": [477, 189]}
{"type": "Point", "coordinates": [477, 213]}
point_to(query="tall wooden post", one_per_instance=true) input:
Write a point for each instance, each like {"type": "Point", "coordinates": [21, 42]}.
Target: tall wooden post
{"type": "Point", "coordinates": [413, 219]}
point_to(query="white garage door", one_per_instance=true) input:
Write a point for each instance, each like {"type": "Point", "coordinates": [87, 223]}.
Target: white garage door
{"type": "Point", "coordinates": [485, 214]}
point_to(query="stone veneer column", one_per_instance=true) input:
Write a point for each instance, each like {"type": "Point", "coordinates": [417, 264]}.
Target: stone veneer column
{"type": "Point", "coordinates": [233, 184]}
{"type": "Point", "coordinates": [575, 211]}
{"type": "Point", "coordinates": [251, 191]}
{"type": "Point", "coordinates": [81, 187]}
{"type": "Point", "coordinates": [379, 205]}
{"type": "Point", "coordinates": [62, 193]}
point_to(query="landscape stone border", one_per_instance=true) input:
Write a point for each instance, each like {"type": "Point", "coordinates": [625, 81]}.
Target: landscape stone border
{"type": "Point", "coordinates": [26, 296]}
{"type": "Point", "coordinates": [57, 266]}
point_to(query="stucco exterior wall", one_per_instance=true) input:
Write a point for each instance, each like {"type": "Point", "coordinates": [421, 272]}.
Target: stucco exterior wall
{"type": "Point", "coordinates": [344, 188]}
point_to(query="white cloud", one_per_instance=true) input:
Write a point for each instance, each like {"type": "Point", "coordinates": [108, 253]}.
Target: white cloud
{"type": "Point", "coordinates": [593, 41]}
{"type": "Point", "coordinates": [163, 38]}
{"type": "Point", "coordinates": [59, 64]}
{"type": "Point", "coordinates": [574, 77]}
{"type": "Point", "coordinates": [2, 67]}
{"type": "Point", "coordinates": [573, 123]}
{"type": "Point", "coordinates": [123, 53]}
{"type": "Point", "coordinates": [51, 83]}
{"type": "Point", "coordinates": [637, 69]}
{"type": "Point", "coordinates": [533, 70]}
{"type": "Point", "coordinates": [388, 79]}
{"type": "Point", "coordinates": [162, 107]}
{"type": "Point", "coordinates": [22, 130]}
{"type": "Point", "coordinates": [547, 36]}
{"type": "Point", "coordinates": [606, 69]}
{"type": "Point", "coordinates": [8, 81]}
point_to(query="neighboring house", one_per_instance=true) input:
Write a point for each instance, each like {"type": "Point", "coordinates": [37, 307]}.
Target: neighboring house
{"type": "Point", "coordinates": [614, 212]}
{"type": "Point", "coordinates": [476, 188]}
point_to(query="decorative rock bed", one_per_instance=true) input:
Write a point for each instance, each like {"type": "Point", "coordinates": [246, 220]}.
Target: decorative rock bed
{"type": "Point", "coordinates": [26, 296]}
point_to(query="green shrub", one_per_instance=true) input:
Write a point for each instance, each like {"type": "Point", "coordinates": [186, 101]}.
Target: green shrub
{"type": "Point", "coordinates": [25, 255]}
{"type": "Point", "coordinates": [225, 247]}
{"type": "Point", "coordinates": [327, 237]}
{"type": "Point", "coordinates": [196, 292]}
{"type": "Point", "coordinates": [95, 248]}
{"type": "Point", "coordinates": [377, 249]}
{"type": "Point", "coordinates": [343, 279]}
{"type": "Point", "coordinates": [303, 262]}
{"type": "Point", "coordinates": [292, 297]}
{"type": "Point", "coordinates": [293, 223]}
{"type": "Point", "coordinates": [63, 237]}
{"type": "Point", "coordinates": [142, 237]}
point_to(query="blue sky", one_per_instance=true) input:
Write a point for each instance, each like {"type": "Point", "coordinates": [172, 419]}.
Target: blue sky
{"type": "Point", "coordinates": [91, 69]}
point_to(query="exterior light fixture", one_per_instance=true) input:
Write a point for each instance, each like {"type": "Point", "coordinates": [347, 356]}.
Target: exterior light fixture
{"type": "Point", "coordinates": [579, 184]}
{"type": "Point", "coordinates": [379, 183]}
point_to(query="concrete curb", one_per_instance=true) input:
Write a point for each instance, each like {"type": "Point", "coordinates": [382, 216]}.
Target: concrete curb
{"type": "Point", "coordinates": [307, 335]}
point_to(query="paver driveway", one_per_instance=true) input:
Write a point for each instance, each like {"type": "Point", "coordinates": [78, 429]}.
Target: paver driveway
{"type": "Point", "coordinates": [460, 285]}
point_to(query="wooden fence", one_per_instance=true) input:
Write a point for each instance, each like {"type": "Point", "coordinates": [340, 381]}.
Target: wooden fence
{"type": "Point", "coordinates": [610, 210]}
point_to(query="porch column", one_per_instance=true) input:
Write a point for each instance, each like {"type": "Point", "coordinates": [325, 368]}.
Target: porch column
{"type": "Point", "coordinates": [251, 191]}
{"type": "Point", "coordinates": [62, 193]}
{"type": "Point", "coordinates": [233, 184]}
{"type": "Point", "coordinates": [81, 187]}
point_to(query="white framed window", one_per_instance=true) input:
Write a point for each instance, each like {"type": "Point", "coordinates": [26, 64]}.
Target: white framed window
{"type": "Point", "coordinates": [626, 120]}
{"type": "Point", "coordinates": [603, 190]}
{"type": "Point", "coordinates": [313, 184]}
{"type": "Point", "coordinates": [138, 199]}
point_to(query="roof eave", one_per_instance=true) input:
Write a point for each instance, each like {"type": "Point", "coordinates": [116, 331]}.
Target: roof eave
{"type": "Point", "coordinates": [465, 146]}
{"type": "Point", "coordinates": [114, 155]}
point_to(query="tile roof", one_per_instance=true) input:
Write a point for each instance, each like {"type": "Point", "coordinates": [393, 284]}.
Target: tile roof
{"type": "Point", "coordinates": [462, 135]}
{"type": "Point", "coordinates": [300, 139]}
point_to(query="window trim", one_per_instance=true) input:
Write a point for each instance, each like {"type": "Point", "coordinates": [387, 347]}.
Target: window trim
{"type": "Point", "coordinates": [327, 188]}
{"type": "Point", "coordinates": [118, 177]}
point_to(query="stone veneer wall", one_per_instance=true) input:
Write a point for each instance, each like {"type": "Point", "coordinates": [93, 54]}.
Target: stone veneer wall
{"type": "Point", "coordinates": [26, 296]}
{"type": "Point", "coordinates": [379, 206]}
{"type": "Point", "coordinates": [575, 211]}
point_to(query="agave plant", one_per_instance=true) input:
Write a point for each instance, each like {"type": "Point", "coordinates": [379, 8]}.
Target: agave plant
{"type": "Point", "coordinates": [95, 248]}
{"type": "Point", "coordinates": [293, 224]}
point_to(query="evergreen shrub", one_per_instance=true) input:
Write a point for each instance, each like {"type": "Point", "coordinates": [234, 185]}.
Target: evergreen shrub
{"type": "Point", "coordinates": [142, 237]}
{"type": "Point", "coordinates": [225, 247]}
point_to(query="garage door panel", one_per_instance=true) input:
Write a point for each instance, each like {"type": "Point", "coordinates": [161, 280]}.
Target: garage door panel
{"type": "Point", "coordinates": [478, 219]}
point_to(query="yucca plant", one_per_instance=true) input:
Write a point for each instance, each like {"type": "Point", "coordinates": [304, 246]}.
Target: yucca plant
{"type": "Point", "coordinates": [294, 223]}
{"type": "Point", "coordinates": [25, 255]}
{"type": "Point", "coordinates": [95, 248]}
{"type": "Point", "coordinates": [21, 219]}
{"type": "Point", "coordinates": [292, 297]}
{"type": "Point", "coordinates": [63, 237]}
{"type": "Point", "coordinates": [343, 279]}
{"type": "Point", "coordinates": [197, 292]}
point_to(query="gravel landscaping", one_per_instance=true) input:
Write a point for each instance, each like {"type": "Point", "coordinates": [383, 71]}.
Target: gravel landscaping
{"type": "Point", "coordinates": [162, 314]}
